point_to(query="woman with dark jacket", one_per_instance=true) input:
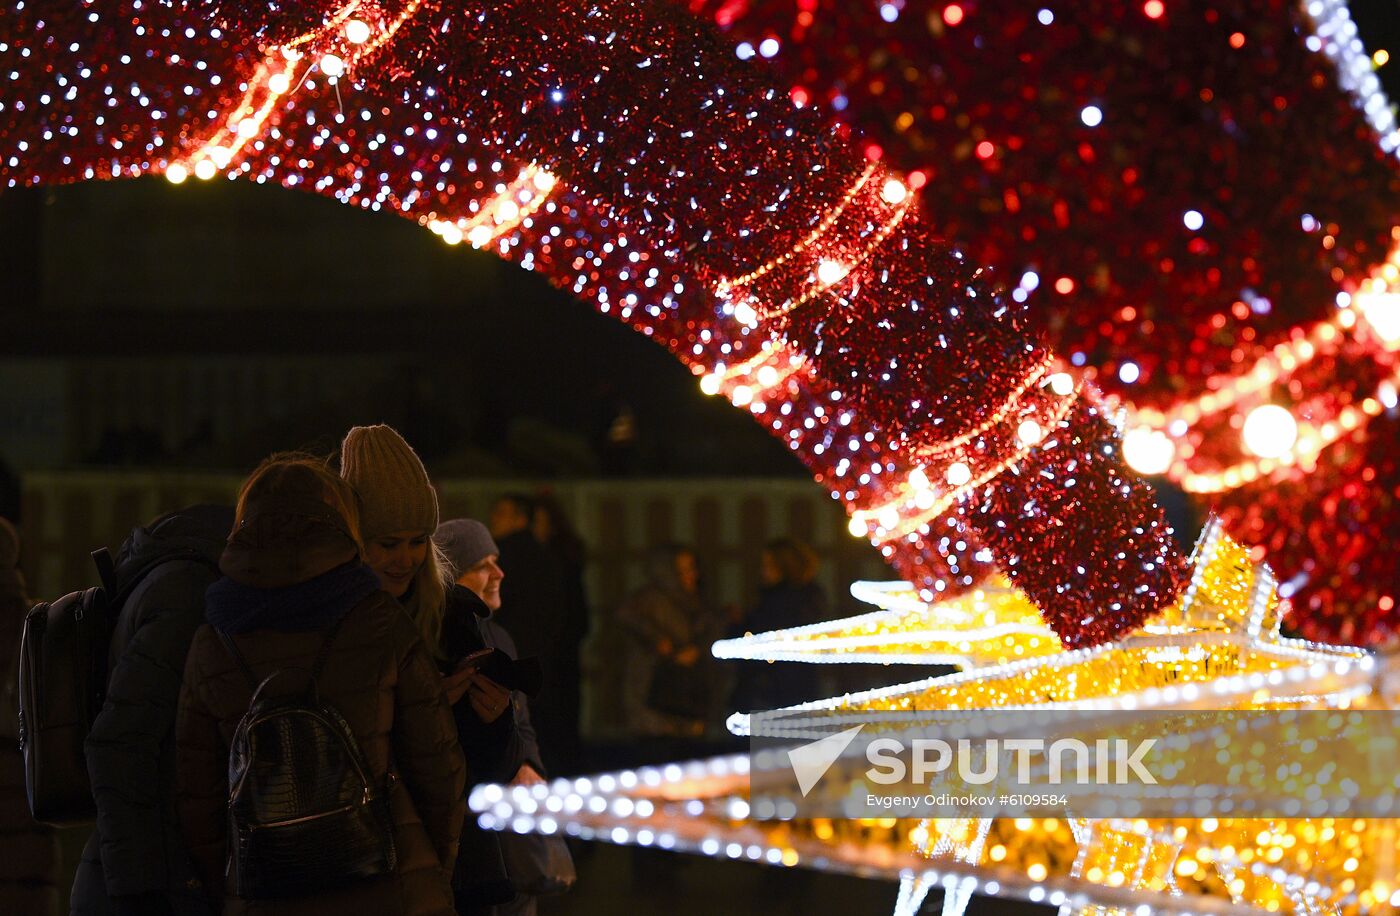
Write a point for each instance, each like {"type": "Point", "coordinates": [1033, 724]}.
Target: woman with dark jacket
{"type": "Point", "coordinates": [400, 515]}
{"type": "Point", "coordinates": [293, 576]}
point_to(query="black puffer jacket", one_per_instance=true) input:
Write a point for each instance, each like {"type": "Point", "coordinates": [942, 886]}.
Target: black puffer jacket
{"type": "Point", "coordinates": [136, 848]}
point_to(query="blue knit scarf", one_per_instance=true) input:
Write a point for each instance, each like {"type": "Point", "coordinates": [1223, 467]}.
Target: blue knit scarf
{"type": "Point", "coordinates": [311, 605]}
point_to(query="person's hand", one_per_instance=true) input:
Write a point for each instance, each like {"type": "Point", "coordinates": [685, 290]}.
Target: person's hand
{"type": "Point", "coordinates": [688, 656]}
{"type": "Point", "coordinates": [526, 776]}
{"type": "Point", "coordinates": [489, 699]}
{"type": "Point", "coordinates": [455, 684]}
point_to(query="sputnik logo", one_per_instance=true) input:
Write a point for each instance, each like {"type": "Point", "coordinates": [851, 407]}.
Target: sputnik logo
{"type": "Point", "coordinates": [811, 761]}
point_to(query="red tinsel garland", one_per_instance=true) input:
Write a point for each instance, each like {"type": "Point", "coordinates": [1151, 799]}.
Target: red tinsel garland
{"type": "Point", "coordinates": [714, 177]}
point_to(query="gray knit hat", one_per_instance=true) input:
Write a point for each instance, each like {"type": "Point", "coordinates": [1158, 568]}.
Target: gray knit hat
{"type": "Point", "coordinates": [395, 494]}
{"type": "Point", "coordinates": [466, 542]}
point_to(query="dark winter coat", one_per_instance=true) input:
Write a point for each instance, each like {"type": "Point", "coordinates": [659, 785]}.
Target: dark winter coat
{"type": "Point", "coordinates": [534, 609]}
{"type": "Point", "coordinates": [29, 861]}
{"type": "Point", "coordinates": [382, 679]}
{"type": "Point", "coordinates": [772, 685]}
{"type": "Point", "coordinates": [136, 847]}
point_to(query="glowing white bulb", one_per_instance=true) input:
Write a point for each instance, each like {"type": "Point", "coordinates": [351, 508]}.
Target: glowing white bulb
{"type": "Point", "coordinates": [889, 518]}
{"type": "Point", "coordinates": [1148, 451]}
{"type": "Point", "coordinates": [279, 83]}
{"type": "Point", "coordinates": [829, 272]}
{"type": "Point", "coordinates": [177, 173]}
{"type": "Point", "coordinates": [356, 32]}
{"type": "Point", "coordinates": [1029, 432]}
{"type": "Point", "coordinates": [768, 47]}
{"type": "Point", "coordinates": [1382, 313]}
{"type": "Point", "coordinates": [205, 169]}
{"type": "Point", "coordinates": [741, 396]}
{"type": "Point", "coordinates": [1128, 373]}
{"type": "Point", "coordinates": [744, 314]}
{"type": "Point", "coordinates": [1045, 16]}
{"type": "Point", "coordinates": [918, 479]}
{"type": "Point", "coordinates": [767, 376]}
{"type": "Point", "coordinates": [450, 233]}
{"type": "Point", "coordinates": [710, 384]}
{"type": "Point", "coordinates": [331, 65]}
{"type": "Point", "coordinates": [959, 473]}
{"type": "Point", "coordinates": [220, 156]}
{"type": "Point", "coordinates": [480, 236]}
{"type": "Point", "coordinates": [1193, 220]}
{"type": "Point", "coordinates": [1091, 115]}
{"type": "Point", "coordinates": [248, 128]}
{"type": "Point", "coordinates": [506, 211]}
{"type": "Point", "coordinates": [1062, 383]}
{"type": "Point", "coordinates": [544, 181]}
{"type": "Point", "coordinates": [857, 526]}
{"type": "Point", "coordinates": [1270, 431]}
{"type": "Point", "coordinates": [894, 191]}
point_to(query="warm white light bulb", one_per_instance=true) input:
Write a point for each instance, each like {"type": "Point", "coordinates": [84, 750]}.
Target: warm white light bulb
{"type": "Point", "coordinates": [889, 518]}
{"type": "Point", "coordinates": [1062, 383]}
{"type": "Point", "coordinates": [959, 473]}
{"type": "Point", "coordinates": [918, 479]}
{"type": "Point", "coordinates": [1382, 313]}
{"type": "Point", "coordinates": [829, 272]}
{"type": "Point", "coordinates": [356, 32]}
{"type": "Point", "coordinates": [1029, 432]}
{"type": "Point", "coordinates": [205, 169]}
{"type": "Point", "coordinates": [543, 181]}
{"type": "Point", "coordinates": [741, 396]}
{"type": "Point", "coordinates": [248, 128]}
{"type": "Point", "coordinates": [1270, 431]}
{"type": "Point", "coordinates": [451, 234]}
{"type": "Point", "coordinates": [507, 211]}
{"type": "Point", "coordinates": [177, 173]}
{"type": "Point", "coordinates": [894, 191]}
{"type": "Point", "coordinates": [279, 83]}
{"type": "Point", "coordinates": [767, 376]}
{"type": "Point", "coordinates": [480, 236]}
{"type": "Point", "coordinates": [857, 526]}
{"type": "Point", "coordinates": [1148, 451]}
{"type": "Point", "coordinates": [710, 384]}
{"type": "Point", "coordinates": [332, 66]}
{"type": "Point", "coordinates": [744, 314]}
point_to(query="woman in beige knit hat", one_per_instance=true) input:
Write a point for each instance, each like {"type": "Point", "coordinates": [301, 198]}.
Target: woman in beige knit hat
{"type": "Point", "coordinates": [398, 515]}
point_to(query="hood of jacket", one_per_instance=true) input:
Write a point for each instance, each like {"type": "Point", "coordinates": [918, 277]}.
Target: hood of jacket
{"type": "Point", "coordinates": [200, 530]}
{"type": "Point", "coordinates": [317, 603]}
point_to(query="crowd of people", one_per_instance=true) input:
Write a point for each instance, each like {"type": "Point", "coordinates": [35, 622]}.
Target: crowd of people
{"type": "Point", "coordinates": [448, 650]}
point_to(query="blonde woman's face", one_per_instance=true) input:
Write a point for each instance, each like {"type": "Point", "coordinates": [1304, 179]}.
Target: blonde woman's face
{"type": "Point", "coordinates": [396, 558]}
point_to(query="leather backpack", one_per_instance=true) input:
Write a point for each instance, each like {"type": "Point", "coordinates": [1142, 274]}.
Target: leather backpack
{"type": "Point", "coordinates": [305, 814]}
{"type": "Point", "coordinates": [63, 683]}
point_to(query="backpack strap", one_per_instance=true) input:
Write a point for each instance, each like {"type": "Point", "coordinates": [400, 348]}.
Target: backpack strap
{"type": "Point", "coordinates": [232, 648]}
{"type": "Point", "coordinates": [106, 569]}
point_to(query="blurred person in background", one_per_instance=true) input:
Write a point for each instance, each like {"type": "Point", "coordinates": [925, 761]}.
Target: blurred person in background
{"type": "Point", "coordinates": [29, 857]}
{"type": "Point", "coordinates": [553, 529]}
{"type": "Point", "coordinates": [789, 596]}
{"type": "Point", "coordinates": [668, 687]}
{"type": "Point", "coordinates": [534, 611]}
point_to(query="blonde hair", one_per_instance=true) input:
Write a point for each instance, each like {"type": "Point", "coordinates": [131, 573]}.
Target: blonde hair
{"type": "Point", "coordinates": [284, 467]}
{"type": "Point", "coordinates": [427, 602]}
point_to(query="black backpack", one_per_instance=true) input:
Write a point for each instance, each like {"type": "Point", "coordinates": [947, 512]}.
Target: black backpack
{"type": "Point", "coordinates": [305, 813]}
{"type": "Point", "coordinates": [63, 683]}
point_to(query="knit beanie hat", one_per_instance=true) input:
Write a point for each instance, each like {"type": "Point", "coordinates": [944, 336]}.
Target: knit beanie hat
{"type": "Point", "coordinates": [466, 542]}
{"type": "Point", "coordinates": [395, 494]}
